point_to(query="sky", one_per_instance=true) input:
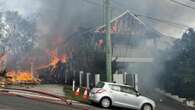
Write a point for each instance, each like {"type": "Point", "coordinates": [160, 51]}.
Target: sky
{"type": "Point", "coordinates": [24, 7]}
{"type": "Point", "coordinates": [163, 9]}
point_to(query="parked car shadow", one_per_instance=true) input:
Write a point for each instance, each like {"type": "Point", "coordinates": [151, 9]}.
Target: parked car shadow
{"type": "Point", "coordinates": [111, 108]}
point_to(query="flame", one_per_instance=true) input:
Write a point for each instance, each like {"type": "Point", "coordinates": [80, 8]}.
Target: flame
{"type": "Point", "coordinates": [64, 58]}
{"type": "Point", "coordinates": [21, 77]}
{"type": "Point", "coordinates": [55, 59]}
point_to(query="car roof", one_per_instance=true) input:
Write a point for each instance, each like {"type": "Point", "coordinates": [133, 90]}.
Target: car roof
{"type": "Point", "coordinates": [118, 84]}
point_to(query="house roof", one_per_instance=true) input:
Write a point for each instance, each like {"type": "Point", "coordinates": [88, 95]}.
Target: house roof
{"type": "Point", "coordinates": [129, 24]}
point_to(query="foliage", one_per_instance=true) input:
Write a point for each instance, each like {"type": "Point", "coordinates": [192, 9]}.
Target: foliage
{"type": "Point", "coordinates": [179, 74]}
{"type": "Point", "coordinates": [17, 34]}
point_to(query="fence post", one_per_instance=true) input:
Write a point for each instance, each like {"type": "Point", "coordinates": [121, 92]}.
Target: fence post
{"type": "Point", "coordinates": [136, 81]}
{"type": "Point", "coordinates": [125, 78]}
{"type": "Point", "coordinates": [88, 80]}
{"type": "Point", "coordinates": [73, 85]}
{"type": "Point", "coordinates": [118, 78]}
{"type": "Point", "coordinates": [80, 78]}
{"type": "Point", "coordinates": [97, 78]}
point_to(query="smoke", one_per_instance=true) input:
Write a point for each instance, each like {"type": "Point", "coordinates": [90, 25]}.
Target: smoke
{"type": "Point", "coordinates": [24, 7]}
{"type": "Point", "coordinates": [58, 19]}
{"type": "Point", "coordinates": [55, 22]}
{"type": "Point", "coordinates": [67, 15]}
{"type": "Point", "coordinates": [61, 18]}
{"type": "Point", "coordinates": [164, 9]}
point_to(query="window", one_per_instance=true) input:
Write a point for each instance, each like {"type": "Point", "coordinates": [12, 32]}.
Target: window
{"type": "Point", "coordinates": [116, 88]}
{"type": "Point", "coordinates": [128, 90]}
{"type": "Point", "coordinates": [100, 85]}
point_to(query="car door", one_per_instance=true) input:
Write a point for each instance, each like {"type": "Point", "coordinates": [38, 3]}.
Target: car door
{"type": "Point", "coordinates": [130, 97]}
{"type": "Point", "coordinates": [117, 97]}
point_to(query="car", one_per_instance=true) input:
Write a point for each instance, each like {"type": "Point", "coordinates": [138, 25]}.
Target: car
{"type": "Point", "coordinates": [113, 94]}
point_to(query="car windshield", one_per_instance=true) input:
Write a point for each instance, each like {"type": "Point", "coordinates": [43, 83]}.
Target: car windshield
{"type": "Point", "coordinates": [100, 85]}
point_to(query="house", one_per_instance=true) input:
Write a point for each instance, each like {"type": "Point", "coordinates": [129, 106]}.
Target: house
{"type": "Point", "coordinates": [135, 45]}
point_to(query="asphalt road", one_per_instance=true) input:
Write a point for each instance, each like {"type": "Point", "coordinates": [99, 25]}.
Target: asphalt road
{"type": "Point", "coordinates": [19, 103]}
{"type": "Point", "coordinates": [164, 103]}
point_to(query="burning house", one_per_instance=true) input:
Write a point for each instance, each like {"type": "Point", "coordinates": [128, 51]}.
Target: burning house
{"type": "Point", "coordinates": [135, 45]}
{"type": "Point", "coordinates": [54, 71]}
{"type": "Point", "coordinates": [21, 55]}
{"type": "Point", "coordinates": [135, 48]}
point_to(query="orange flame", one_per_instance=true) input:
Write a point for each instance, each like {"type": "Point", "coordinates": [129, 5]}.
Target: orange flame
{"type": "Point", "coordinates": [55, 59]}
{"type": "Point", "coordinates": [21, 77]}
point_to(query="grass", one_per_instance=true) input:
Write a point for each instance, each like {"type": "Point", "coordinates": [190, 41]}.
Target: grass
{"type": "Point", "coordinates": [71, 95]}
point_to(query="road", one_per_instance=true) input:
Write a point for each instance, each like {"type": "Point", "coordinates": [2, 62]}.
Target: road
{"type": "Point", "coordinates": [164, 103]}
{"type": "Point", "coordinates": [18, 103]}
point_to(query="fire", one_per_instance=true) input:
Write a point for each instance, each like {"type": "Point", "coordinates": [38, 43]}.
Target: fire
{"type": "Point", "coordinates": [64, 58]}
{"type": "Point", "coordinates": [54, 60]}
{"type": "Point", "coordinates": [16, 77]}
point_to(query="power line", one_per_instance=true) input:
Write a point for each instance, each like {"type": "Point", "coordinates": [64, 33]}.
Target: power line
{"type": "Point", "coordinates": [88, 30]}
{"type": "Point", "coordinates": [183, 4]}
{"type": "Point", "coordinates": [192, 0]}
{"type": "Point", "coordinates": [119, 6]}
{"type": "Point", "coordinates": [97, 4]}
{"type": "Point", "coordinates": [92, 2]}
{"type": "Point", "coordinates": [72, 35]}
{"type": "Point", "coordinates": [164, 21]}
{"type": "Point", "coordinates": [177, 25]}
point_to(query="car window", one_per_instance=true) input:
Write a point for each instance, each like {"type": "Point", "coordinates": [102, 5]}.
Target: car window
{"type": "Point", "coordinates": [100, 85]}
{"type": "Point", "coordinates": [115, 88]}
{"type": "Point", "coordinates": [128, 90]}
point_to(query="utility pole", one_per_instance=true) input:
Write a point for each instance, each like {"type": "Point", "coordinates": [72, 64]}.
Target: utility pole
{"type": "Point", "coordinates": [108, 40]}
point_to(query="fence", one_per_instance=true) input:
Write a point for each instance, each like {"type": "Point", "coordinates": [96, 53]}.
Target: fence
{"type": "Point", "coordinates": [89, 80]}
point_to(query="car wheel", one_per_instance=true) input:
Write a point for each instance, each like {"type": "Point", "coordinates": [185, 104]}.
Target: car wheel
{"type": "Point", "coordinates": [105, 102]}
{"type": "Point", "coordinates": [147, 107]}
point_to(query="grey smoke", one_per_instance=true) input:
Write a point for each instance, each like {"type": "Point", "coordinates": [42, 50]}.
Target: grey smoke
{"type": "Point", "coordinates": [66, 15]}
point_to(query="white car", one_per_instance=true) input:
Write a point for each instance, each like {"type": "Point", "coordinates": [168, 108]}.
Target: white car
{"type": "Point", "coordinates": [113, 94]}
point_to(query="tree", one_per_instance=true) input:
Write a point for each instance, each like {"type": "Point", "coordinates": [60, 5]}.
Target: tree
{"type": "Point", "coordinates": [179, 74]}
{"type": "Point", "coordinates": [16, 33]}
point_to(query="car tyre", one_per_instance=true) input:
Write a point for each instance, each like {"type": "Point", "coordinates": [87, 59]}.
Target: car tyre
{"type": "Point", "coordinates": [147, 107]}
{"type": "Point", "coordinates": [105, 103]}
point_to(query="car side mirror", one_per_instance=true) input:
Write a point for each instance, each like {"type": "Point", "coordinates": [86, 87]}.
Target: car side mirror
{"type": "Point", "coordinates": [138, 94]}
